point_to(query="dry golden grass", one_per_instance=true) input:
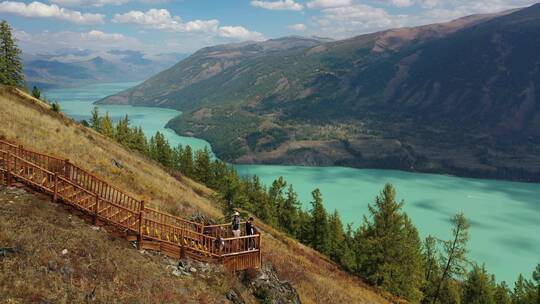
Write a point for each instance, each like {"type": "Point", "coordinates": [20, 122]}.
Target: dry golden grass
{"type": "Point", "coordinates": [32, 124]}
{"type": "Point", "coordinates": [29, 122]}
{"type": "Point", "coordinates": [39, 273]}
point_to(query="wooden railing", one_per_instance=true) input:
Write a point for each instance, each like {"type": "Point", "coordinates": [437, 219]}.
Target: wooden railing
{"type": "Point", "coordinates": [174, 236]}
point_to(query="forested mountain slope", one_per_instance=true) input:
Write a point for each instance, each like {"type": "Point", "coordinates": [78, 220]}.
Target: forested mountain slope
{"type": "Point", "coordinates": [458, 98]}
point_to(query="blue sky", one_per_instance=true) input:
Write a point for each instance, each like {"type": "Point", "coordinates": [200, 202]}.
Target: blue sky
{"type": "Point", "coordinates": [164, 26]}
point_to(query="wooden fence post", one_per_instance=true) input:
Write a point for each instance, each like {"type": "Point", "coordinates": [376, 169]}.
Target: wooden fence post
{"type": "Point", "coordinates": [140, 237]}
{"type": "Point", "coordinates": [66, 168]}
{"type": "Point", "coordinates": [55, 191]}
{"type": "Point", "coordinates": [8, 165]}
{"type": "Point", "coordinates": [260, 256]}
{"type": "Point", "coordinates": [96, 210]}
{"type": "Point", "coordinates": [182, 250]}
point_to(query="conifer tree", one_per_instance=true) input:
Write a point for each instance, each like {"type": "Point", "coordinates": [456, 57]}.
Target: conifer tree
{"type": "Point", "coordinates": [36, 93]}
{"type": "Point", "coordinates": [390, 249]}
{"type": "Point", "coordinates": [501, 294]}
{"type": "Point", "coordinates": [106, 127]}
{"type": "Point", "coordinates": [122, 132]}
{"type": "Point", "coordinates": [536, 279]}
{"type": "Point", "coordinates": [95, 120]}
{"type": "Point", "coordinates": [455, 253]}
{"type": "Point", "coordinates": [478, 287]}
{"type": "Point", "coordinates": [277, 200]}
{"type": "Point", "coordinates": [432, 269]}
{"type": "Point", "coordinates": [202, 165]}
{"type": "Point", "coordinates": [186, 161]}
{"type": "Point", "coordinates": [336, 237]}
{"type": "Point", "coordinates": [319, 223]}
{"type": "Point", "coordinates": [288, 219]}
{"type": "Point", "coordinates": [11, 69]}
{"type": "Point", "coordinates": [524, 292]}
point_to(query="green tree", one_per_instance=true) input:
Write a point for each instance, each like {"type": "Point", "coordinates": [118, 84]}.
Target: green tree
{"type": "Point", "coordinates": [319, 223]}
{"type": "Point", "coordinates": [122, 132]}
{"type": "Point", "coordinates": [478, 287]}
{"type": "Point", "coordinates": [336, 237]}
{"type": "Point", "coordinates": [288, 219]}
{"type": "Point", "coordinates": [524, 292]}
{"type": "Point", "coordinates": [106, 127]}
{"type": "Point", "coordinates": [36, 93]}
{"type": "Point", "coordinates": [455, 253]}
{"type": "Point", "coordinates": [202, 166]}
{"type": "Point", "coordinates": [502, 294]}
{"type": "Point", "coordinates": [389, 248]}
{"type": "Point", "coordinates": [536, 279]}
{"type": "Point", "coordinates": [95, 120]}
{"type": "Point", "coordinates": [11, 68]}
{"type": "Point", "coordinates": [432, 269]}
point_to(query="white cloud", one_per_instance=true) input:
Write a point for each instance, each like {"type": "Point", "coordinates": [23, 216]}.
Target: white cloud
{"type": "Point", "coordinates": [161, 19]}
{"type": "Point", "coordinates": [403, 3]}
{"type": "Point", "coordinates": [239, 32]}
{"type": "Point", "coordinates": [99, 3]}
{"type": "Point", "coordinates": [278, 5]}
{"type": "Point", "coordinates": [341, 22]}
{"type": "Point", "coordinates": [92, 40]}
{"type": "Point", "coordinates": [300, 27]}
{"type": "Point", "coordinates": [328, 3]}
{"type": "Point", "coordinates": [38, 9]}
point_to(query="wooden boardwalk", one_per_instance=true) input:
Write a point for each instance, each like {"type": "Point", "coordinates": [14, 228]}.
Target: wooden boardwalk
{"type": "Point", "coordinates": [155, 230]}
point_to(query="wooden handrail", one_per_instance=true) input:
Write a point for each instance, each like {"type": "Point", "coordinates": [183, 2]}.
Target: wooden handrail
{"type": "Point", "coordinates": [104, 201]}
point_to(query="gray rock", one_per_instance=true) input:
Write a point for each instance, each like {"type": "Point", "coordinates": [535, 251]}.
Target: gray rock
{"type": "Point", "coordinates": [67, 270]}
{"type": "Point", "coordinates": [7, 251]}
{"type": "Point", "coordinates": [52, 265]}
{"type": "Point", "coordinates": [268, 288]}
{"type": "Point", "coordinates": [234, 296]}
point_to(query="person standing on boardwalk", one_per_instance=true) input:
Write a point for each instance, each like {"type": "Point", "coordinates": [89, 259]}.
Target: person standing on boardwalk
{"type": "Point", "coordinates": [250, 230]}
{"type": "Point", "coordinates": [236, 224]}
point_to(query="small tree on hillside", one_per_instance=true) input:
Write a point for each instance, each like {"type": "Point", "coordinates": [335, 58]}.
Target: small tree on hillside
{"type": "Point", "coordinates": [106, 127]}
{"type": "Point", "coordinates": [11, 68]}
{"type": "Point", "coordinates": [319, 223]}
{"type": "Point", "coordinates": [455, 253]}
{"type": "Point", "coordinates": [478, 288]}
{"type": "Point", "coordinates": [36, 93]}
{"type": "Point", "coordinates": [389, 248]}
{"type": "Point", "coordinates": [95, 120]}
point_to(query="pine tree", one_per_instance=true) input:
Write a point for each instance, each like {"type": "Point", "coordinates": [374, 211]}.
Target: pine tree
{"type": "Point", "coordinates": [202, 166]}
{"type": "Point", "coordinates": [36, 93]}
{"type": "Point", "coordinates": [288, 219]}
{"type": "Point", "coordinates": [432, 270]}
{"type": "Point", "coordinates": [336, 237]}
{"type": "Point", "coordinates": [277, 200]}
{"type": "Point", "coordinates": [11, 69]}
{"type": "Point", "coordinates": [389, 248]}
{"type": "Point", "coordinates": [319, 223]}
{"type": "Point", "coordinates": [524, 292]}
{"type": "Point", "coordinates": [122, 132]}
{"type": "Point", "coordinates": [186, 162]}
{"type": "Point", "coordinates": [478, 287]}
{"type": "Point", "coordinates": [536, 279]}
{"type": "Point", "coordinates": [502, 294]}
{"type": "Point", "coordinates": [455, 253]}
{"type": "Point", "coordinates": [95, 120]}
{"type": "Point", "coordinates": [106, 127]}
{"type": "Point", "coordinates": [348, 256]}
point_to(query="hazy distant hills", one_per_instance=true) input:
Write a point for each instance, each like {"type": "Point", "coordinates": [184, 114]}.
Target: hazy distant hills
{"type": "Point", "coordinates": [80, 67]}
{"type": "Point", "coordinates": [460, 97]}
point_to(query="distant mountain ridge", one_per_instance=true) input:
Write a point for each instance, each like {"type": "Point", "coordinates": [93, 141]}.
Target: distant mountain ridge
{"type": "Point", "coordinates": [459, 97]}
{"type": "Point", "coordinates": [81, 67]}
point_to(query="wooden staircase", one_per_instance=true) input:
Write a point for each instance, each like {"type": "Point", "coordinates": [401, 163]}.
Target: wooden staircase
{"type": "Point", "coordinates": [152, 229]}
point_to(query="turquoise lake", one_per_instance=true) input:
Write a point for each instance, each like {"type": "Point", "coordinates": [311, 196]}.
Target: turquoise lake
{"type": "Point", "coordinates": [504, 216]}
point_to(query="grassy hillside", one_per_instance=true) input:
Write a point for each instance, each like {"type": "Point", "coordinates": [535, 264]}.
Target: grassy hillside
{"type": "Point", "coordinates": [97, 268]}
{"type": "Point", "coordinates": [31, 123]}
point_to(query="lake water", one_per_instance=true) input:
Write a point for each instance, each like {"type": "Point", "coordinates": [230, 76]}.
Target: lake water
{"type": "Point", "coordinates": [505, 216]}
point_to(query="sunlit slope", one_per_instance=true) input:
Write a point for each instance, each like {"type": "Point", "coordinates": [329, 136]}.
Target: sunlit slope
{"type": "Point", "coordinates": [32, 123]}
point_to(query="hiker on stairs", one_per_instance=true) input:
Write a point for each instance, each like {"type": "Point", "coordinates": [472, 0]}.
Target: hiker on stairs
{"type": "Point", "coordinates": [236, 224]}
{"type": "Point", "coordinates": [250, 230]}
